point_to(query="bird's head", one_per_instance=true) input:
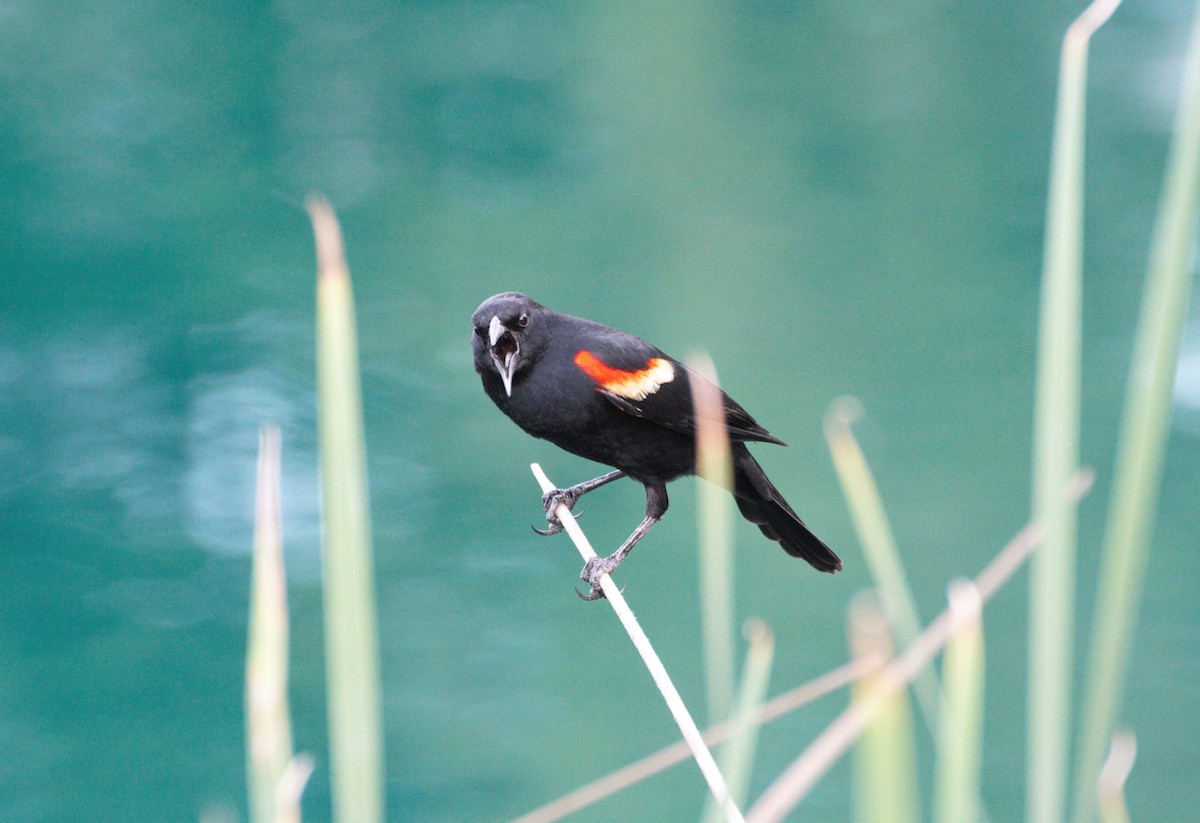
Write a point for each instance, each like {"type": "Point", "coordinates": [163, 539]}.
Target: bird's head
{"type": "Point", "coordinates": [501, 339]}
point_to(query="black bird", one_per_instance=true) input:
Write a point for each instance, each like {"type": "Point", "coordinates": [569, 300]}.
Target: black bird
{"type": "Point", "coordinates": [613, 398]}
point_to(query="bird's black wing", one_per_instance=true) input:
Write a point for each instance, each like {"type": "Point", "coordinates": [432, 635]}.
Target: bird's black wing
{"type": "Point", "coordinates": [641, 380]}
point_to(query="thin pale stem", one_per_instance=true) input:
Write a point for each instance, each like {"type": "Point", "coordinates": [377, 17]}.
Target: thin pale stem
{"type": "Point", "coordinates": [704, 759]}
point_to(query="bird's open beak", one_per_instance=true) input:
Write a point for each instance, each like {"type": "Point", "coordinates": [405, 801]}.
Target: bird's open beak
{"type": "Point", "coordinates": [505, 350]}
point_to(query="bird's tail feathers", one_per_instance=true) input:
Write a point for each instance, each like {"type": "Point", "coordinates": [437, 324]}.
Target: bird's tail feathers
{"type": "Point", "coordinates": [762, 504]}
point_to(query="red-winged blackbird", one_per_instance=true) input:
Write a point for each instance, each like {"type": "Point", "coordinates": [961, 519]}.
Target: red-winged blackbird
{"type": "Point", "coordinates": [613, 398]}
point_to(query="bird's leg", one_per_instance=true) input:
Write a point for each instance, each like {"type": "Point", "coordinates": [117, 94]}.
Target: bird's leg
{"type": "Point", "coordinates": [597, 567]}
{"type": "Point", "coordinates": [569, 497]}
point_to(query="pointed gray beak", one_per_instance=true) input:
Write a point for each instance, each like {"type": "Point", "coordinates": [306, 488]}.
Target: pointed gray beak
{"type": "Point", "coordinates": [505, 350]}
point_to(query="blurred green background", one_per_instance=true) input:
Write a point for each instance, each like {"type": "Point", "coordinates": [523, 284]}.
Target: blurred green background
{"type": "Point", "coordinates": [832, 198]}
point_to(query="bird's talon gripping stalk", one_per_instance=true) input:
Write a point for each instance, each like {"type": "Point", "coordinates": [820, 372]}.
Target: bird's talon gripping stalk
{"type": "Point", "coordinates": [594, 569]}
{"type": "Point", "coordinates": [552, 499]}
{"type": "Point", "coordinates": [555, 525]}
{"type": "Point", "coordinates": [597, 567]}
{"type": "Point", "coordinates": [550, 502]}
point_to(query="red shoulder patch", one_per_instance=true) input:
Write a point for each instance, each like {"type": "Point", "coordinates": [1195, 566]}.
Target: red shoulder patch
{"type": "Point", "coordinates": [633, 385]}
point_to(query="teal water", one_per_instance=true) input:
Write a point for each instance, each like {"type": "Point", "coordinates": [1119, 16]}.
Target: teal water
{"type": "Point", "coordinates": [831, 198]}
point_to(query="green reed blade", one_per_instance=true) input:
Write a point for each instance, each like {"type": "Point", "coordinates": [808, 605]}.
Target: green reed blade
{"type": "Point", "coordinates": [1056, 437]}
{"type": "Point", "coordinates": [960, 725]}
{"type": "Point", "coordinates": [878, 545]}
{"type": "Point", "coordinates": [1143, 436]}
{"type": "Point", "coordinates": [268, 724]}
{"type": "Point", "coordinates": [885, 780]}
{"type": "Point", "coordinates": [351, 634]}
{"type": "Point", "coordinates": [737, 754]}
{"type": "Point", "coordinates": [715, 562]}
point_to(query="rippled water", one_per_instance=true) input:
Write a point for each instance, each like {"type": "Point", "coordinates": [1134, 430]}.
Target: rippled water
{"type": "Point", "coordinates": [832, 198]}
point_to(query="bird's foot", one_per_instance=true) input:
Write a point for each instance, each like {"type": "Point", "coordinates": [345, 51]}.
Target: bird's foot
{"type": "Point", "coordinates": [593, 570]}
{"type": "Point", "coordinates": [550, 502]}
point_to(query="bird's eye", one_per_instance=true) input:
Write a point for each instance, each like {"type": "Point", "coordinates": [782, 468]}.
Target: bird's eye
{"type": "Point", "coordinates": [481, 331]}
{"type": "Point", "coordinates": [523, 320]}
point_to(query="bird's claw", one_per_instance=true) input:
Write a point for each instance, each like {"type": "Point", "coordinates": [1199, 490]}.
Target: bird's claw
{"type": "Point", "coordinates": [552, 499]}
{"type": "Point", "coordinates": [594, 594]}
{"type": "Point", "coordinates": [550, 502]}
{"type": "Point", "coordinates": [594, 569]}
{"type": "Point", "coordinates": [555, 525]}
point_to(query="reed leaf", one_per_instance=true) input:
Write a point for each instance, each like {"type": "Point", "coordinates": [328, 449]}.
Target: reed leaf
{"type": "Point", "coordinates": [737, 756]}
{"type": "Point", "coordinates": [351, 634]}
{"type": "Point", "coordinates": [885, 755]}
{"type": "Point", "coordinates": [713, 505]}
{"type": "Point", "coordinates": [268, 722]}
{"type": "Point", "coordinates": [1143, 437]}
{"type": "Point", "coordinates": [960, 726]}
{"type": "Point", "coordinates": [875, 535]}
